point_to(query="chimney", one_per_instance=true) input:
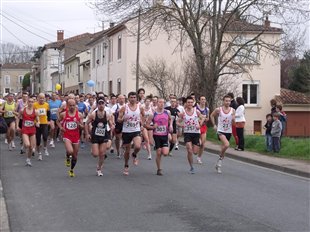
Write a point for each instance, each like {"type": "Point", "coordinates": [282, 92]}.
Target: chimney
{"type": "Point", "coordinates": [267, 22]}
{"type": "Point", "coordinates": [112, 24]}
{"type": "Point", "coordinates": [60, 35]}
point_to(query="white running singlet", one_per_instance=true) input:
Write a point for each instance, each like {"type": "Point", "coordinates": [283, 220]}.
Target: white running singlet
{"type": "Point", "coordinates": [225, 121]}
{"type": "Point", "coordinates": [131, 120]}
{"type": "Point", "coordinates": [191, 123]}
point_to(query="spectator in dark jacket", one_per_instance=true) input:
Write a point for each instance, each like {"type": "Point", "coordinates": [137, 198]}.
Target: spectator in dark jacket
{"type": "Point", "coordinates": [268, 136]}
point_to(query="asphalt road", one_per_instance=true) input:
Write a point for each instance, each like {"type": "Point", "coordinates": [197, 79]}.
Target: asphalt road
{"type": "Point", "coordinates": [243, 198]}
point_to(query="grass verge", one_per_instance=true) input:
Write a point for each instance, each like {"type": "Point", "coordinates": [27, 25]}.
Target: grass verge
{"type": "Point", "coordinates": [292, 148]}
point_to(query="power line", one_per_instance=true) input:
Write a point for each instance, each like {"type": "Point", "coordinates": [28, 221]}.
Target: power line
{"type": "Point", "coordinates": [25, 28]}
{"type": "Point", "coordinates": [39, 29]}
{"type": "Point", "coordinates": [13, 35]}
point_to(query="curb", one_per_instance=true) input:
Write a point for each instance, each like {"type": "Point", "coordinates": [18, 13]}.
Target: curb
{"type": "Point", "coordinates": [264, 164]}
{"type": "Point", "coordinates": [4, 219]}
{"type": "Point", "coordinates": [260, 163]}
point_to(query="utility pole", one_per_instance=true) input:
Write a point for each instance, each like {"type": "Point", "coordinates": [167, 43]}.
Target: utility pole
{"type": "Point", "coordinates": [138, 49]}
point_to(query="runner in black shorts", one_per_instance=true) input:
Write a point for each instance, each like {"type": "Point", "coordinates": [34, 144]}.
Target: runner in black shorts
{"type": "Point", "coordinates": [192, 121]}
{"type": "Point", "coordinates": [162, 125]}
{"type": "Point", "coordinates": [174, 114]}
{"type": "Point", "coordinates": [98, 135]}
{"type": "Point", "coordinates": [132, 115]}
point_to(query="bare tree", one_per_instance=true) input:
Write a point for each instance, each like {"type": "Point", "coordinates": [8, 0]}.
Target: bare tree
{"type": "Point", "coordinates": [156, 73]}
{"type": "Point", "coordinates": [215, 30]}
{"type": "Point", "coordinates": [12, 53]}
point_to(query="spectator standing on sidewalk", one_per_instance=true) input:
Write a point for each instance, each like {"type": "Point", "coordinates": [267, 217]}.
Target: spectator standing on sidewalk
{"type": "Point", "coordinates": [282, 118]}
{"type": "Point", "coordinates": [276, 130]}
{"type": "Point", "coordinates": [240, 123]}
{"type": "Point", "coordinates": [234, 105]}
{"type": "Point", "coordinates": [268, 136]}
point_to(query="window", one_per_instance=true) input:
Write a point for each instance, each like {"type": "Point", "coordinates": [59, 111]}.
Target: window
{"type": "Point", "coordinates": [54, 62]}
{"type": "Point", "coordinates": [248, 54]}
{"type": "Point", "coordinates": [110, 87]}
{"type": "Point", "coordinates": [94, 57]}
{"type": "Point", "coordinates": [119, 47]}
{"type": "Point", "coordinates": [7, 90]}
{"type": "Point", "coordinates": [20, 79]}
{"type": "Point", "coordinates": [98, 58]}
{"type": "Point", "coordinates": [104, 52]}
{"type": "Point", "coordinates": [110, 50]}
{"type": "Point", "coordinates": [119, 86]}
{"type": "Point", "coordinates": [250, 92]}
{"type": "Point", "coordinates": [7, 80]}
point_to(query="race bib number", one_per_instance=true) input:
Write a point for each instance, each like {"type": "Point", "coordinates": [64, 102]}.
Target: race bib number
{"type": "Point", "coordinates": [71, 125]}
{"type": "Point", "coordinates": [190, 128]}
{"type": "Point", "coordinates": [28, 123]}
{"type": "Point", "coordinates": [100, 131]}
{"type": "Point", "coordinates": [9, 114]}
{"type": "Point", "coordinates": [161, 129]}
{"type": "Point", "coordinates": [54, 111]}
{"type": "Point", "coordinates": [42, 111]}
{"type": "Point", "coordinates": [132, 124]}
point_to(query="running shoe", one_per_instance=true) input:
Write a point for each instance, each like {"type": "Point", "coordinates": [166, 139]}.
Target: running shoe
{"type": "Point", "coordinates": [192, 171]}
{"type": "Point", "coordinates": [9, 147]}
{"type": "Point", "coordinates": [126, 171]}
{"type": "Point", "coordinates": [112, 150]}
{"type": "Point", "coordinates": [169, 154]}
{"type": "Point", "coordinates": [135, 161]}
{"type": "Point", "coordinates": [40, 158]}
{"type": "Point", "coordinates": [149, 157]}
{"type": "Point", "coordinates": [118, 156]}
{"type": "Point", "coordinates": [28, 163]}
{"type": "Point", "coordinates": [22, 151]}
{"type": "Point", "coordinates": [199, 160]}
{"type": "Point", "coordinates": [67, 162]}
{"type": "Point", "coordinates": [52, 144]}
{"type": "Point", "coordinates": [6, 141]}
{"type": "Point", "coordinates": [46, 152]}
{"type": "Point", "coordinates": [57, 139]}
{"type": "Point", "coordinates": [71, 173]}
{"type": "Point", "coordinates": [13, 144]}
{"type": "Point", "coordinates": [99, 173]}
{"type": "Point", "coordinates": [82, 145]}
{"type": "Point", "coordinates": [159, 173]}
{"type": "Point", "coordinates": [176, 147]}
{"type": "Point", "coordinates": [218, 166]}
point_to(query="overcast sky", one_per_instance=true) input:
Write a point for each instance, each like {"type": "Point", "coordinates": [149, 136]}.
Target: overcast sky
{"type": "Point", "coordinates": [42, 19]}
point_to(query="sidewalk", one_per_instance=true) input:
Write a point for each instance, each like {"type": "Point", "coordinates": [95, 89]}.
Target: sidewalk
{"type": "Point", "coordinates": [295, 167]}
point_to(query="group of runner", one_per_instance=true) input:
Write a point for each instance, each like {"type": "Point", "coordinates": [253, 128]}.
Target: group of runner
{"type": "Point", "coordinates": [108, 122]}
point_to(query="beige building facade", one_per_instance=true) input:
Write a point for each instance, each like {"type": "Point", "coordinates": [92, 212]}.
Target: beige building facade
{"type": "Point", "coordinates": [12, 76]}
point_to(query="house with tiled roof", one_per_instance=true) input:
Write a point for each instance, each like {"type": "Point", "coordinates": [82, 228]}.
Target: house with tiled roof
{"type": "Point", "coordinates": [53, 57]}
{"type": "Point", "coordinates": [12, 75]}
{"type": "Point", "coordinates": [297, 107]}
{"type": "Point", "coordinates": [113, 58]}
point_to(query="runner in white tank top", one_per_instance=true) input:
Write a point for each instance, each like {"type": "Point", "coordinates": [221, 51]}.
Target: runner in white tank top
{"type": "Point", "coordinates": [226, 117]}
{"type": "Point", "coordinates": [147, 133]}
{"type": "Point", "coordinates": [131, 115]}
{"type": "Point", "coordinates": [191, 120]}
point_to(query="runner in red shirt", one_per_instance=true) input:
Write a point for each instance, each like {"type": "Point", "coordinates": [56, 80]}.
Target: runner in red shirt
{"type": "Point", "coordinates": [72, 122]}
{"type": "Point", "coordinates": [30, 120]}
